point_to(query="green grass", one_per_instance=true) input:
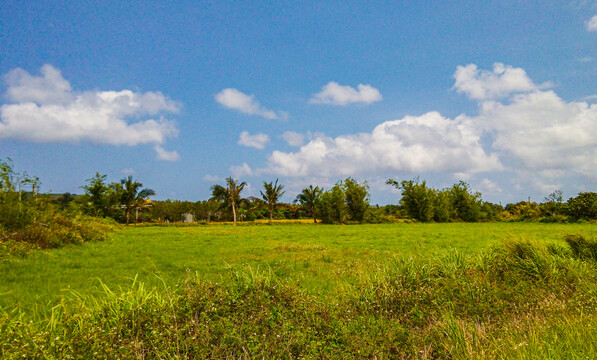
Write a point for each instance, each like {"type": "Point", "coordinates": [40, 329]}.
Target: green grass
{"type": "Point", "coordinates": [515, 291]}
{"type": "Point", "coordinates": [323, 259]}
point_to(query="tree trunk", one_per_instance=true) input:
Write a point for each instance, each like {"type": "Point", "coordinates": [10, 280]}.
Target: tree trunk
{"type": "Point", "coordinates": [234, 213]}
{"type": "Point", "coordinates": [313, 213]}
{"type": "Point", "coordinates": [271, 214]}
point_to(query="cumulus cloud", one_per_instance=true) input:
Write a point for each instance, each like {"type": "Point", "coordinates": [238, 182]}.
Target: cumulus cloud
{"type": "Point", "coordinates": [592, 24]}
{"type": "Point", "coordinates": [46, 109]}
{"type": "Point", "coordinates": [212, 178]}
{"type": "Point", "coordinates": [520, 127]}
{"type": "Point", "coordinates": [485, 84]}
{"type": "Point", "coordinates": [489, 187]}
{"type": "Point", "coordinates": [293, 138]}
{"type": "Point", "coordinates": [165, 155]}
{"type": "Point", "coordinates": [336, 94]}
{"type": "Point", "coordinates": [241, 170]}
{"type": "Point", "coordinates": [256, 141]}
{"type": "Point", "coordinates": [544, 132]}
{"type": "Point", "coordinates": [413, 144]}
{"type": "Point", "coordinates": [246, 104]}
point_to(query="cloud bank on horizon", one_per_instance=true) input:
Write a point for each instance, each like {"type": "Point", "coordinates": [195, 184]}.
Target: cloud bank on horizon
{"type": "Point", "coordinates": [531, 132]}
{"type": "Point", "coordinates": [46, 109]}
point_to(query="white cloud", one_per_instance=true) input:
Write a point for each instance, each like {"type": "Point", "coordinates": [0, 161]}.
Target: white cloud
{"type": "Point", "coordinates": [527, 130]}
{"type": "Point", "coordinates": [128, 171]}
{"type": "Point", "coordinates": [590, 97]}
{"type": "Point", "coordinates": [592, 24]}
{"type": "Point", "coordinates": [488, 187]}
{"type": "Point", "coordinates": [293, 138]}
{"type": "Point", "coordinates": [212, 178]}
{"type": "Point", "coordinates": [413, 144]}
{"type": "Point", "coordinates": [484, 84]}
{"type": "Point", "coordinates": [336, 94]}
{"type": "Point", "coordinates": [246, 104]}
{"type": "Point", "coordinates": [241, 170]}
{"type": "Point", "coordinates": [544, 132]}
{"type": "Point", "coordinates": [165, 155]}
{"type": "Point", "coordinates": [256, 141]}
{"type": "Point", "coordinates": [45, 109]}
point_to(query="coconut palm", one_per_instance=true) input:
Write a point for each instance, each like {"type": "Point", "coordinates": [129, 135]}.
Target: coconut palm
{"type": "Point", "coordinates": [273, 192]}
{"type": "Point", "coordinates": [309, 198]}
{"type": "Point", "coordinates": [230, 194]}
{"type": "Point", "coordinates": [131, 195]}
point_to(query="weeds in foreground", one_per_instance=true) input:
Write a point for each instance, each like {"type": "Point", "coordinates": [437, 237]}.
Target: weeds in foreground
{"type": "Point", "coordinates": [517, 300]}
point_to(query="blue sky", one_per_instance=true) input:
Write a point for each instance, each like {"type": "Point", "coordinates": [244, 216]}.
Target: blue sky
{"type": "Point", "coordinates": [183, 94]}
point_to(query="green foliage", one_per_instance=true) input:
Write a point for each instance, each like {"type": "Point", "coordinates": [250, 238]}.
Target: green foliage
{"type": "Point", "coordinates": [130, 195]}
{"type": "Point", "coordinates": [332, 208]}
{"type": "Point", "coordinates": [31, 221]}
{"type": "Point", "coordinates": [584, 206]}
{"type": "Point", "coordinates": [554, 209]}
{"type": "Point", "coordinates": [273, 193]}
{"type": "Point", "coordinates": [442, 206]}
{"type": "Point", "coordinates": [229, 195]}
{"type": "Point", "coordinates": [100, 198]}
{"type": "Point", "coordinates": [466, 204]}
{"type": "Point", "coordinates": [356, 198]}
{"type": "Point", "coordinates": [310, 198]}
{"type": "Point", "coordinates": [417, 199]}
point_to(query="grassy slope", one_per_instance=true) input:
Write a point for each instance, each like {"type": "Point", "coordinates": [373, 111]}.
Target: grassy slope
{"type": "Point", "coordinates": [322, 258]}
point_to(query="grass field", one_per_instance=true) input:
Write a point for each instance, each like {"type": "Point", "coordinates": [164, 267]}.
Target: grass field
{"type": "Point", "coordinates": [511, 290]}
{"type": "Point", "coordinates": [322, 258]}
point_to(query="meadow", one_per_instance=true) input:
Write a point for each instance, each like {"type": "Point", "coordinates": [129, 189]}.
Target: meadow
{"type": "Point", "coordinates": [480, 290]}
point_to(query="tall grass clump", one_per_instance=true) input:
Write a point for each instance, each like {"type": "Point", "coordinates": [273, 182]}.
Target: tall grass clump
{"type": "Point", "coordinates": [582, 247]}
{"type": "Point", "coordinates": [516, 300]}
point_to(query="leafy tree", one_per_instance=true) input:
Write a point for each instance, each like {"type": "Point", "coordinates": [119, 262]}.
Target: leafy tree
{"type": "Point", "coordinates": [491, 211]}
{"type": "Point", "coordinates": [99, 199]}
{"type": "Point", "coordinates": [554, 205]}
{"type": "Point", "coordinates": [229, 195]}
{"type": "Point", "coordinates": [466, 204]}
{"type": "Point", "coordinates": [442, 206]}
{"type": "Point", "coordinates": [417, 199]}
{"type": "Point", "coordinates": [333, 206]}
{"type": "Point", "coordinates": [131, 195]}
{"type": "Point", "coordinates": [584, 206]}
{"type": "Point", "coordinates": [310, 198]}
{"type": "Point", "coordinates": [273, 192]}
{"type": "Point", "coordinates": [356, 198]}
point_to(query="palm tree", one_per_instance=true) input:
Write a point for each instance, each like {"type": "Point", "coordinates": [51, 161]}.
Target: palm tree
{"type": "Point", "coordinates": [130, 196]}
{"type": "Point", "coordinates": [230, 194]}
{"type": "Point", "coordinates": [309, 198]}
{"type": "Point", "coordinates": [273, 192]}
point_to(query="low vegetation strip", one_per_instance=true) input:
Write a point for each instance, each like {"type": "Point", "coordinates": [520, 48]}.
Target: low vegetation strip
{"type": "Point", "coordinates": [514, 300]}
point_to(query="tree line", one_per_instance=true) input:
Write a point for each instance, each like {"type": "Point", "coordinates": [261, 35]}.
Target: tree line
{"type": "Point", "coordinates": [346, 202]}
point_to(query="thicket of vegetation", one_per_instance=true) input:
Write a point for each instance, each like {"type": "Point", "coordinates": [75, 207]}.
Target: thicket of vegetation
{"type": "Point", "coordinates": [29, 220]}
{"type": "Point", "coordinates": [517, 300]}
